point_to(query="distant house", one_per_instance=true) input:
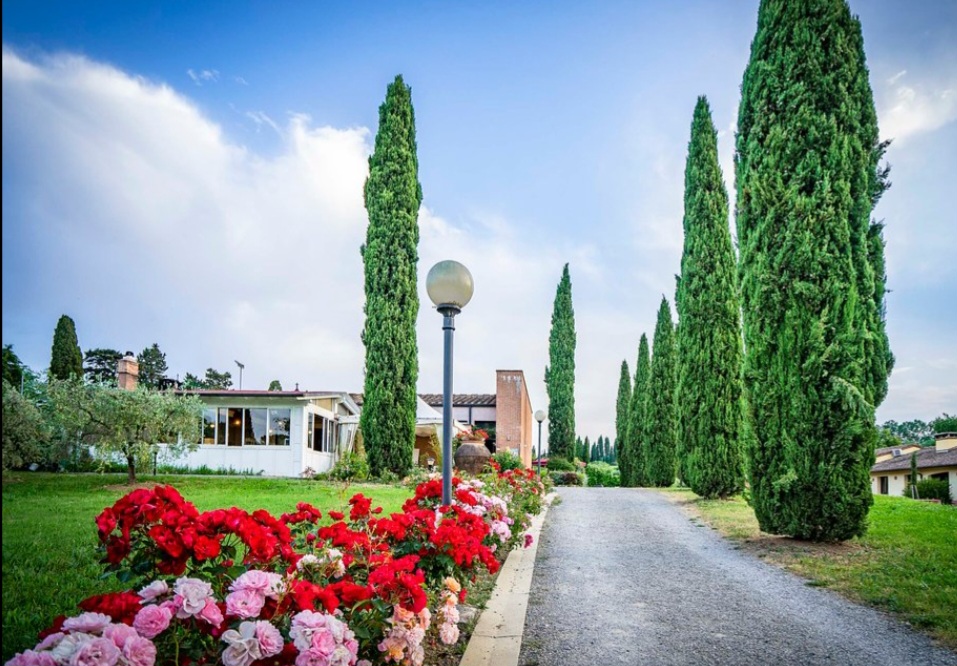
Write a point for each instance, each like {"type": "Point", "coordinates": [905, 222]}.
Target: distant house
{"type": "Point", "coordinates": [892, 466]}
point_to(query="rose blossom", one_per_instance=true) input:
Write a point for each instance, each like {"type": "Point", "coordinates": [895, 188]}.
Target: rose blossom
{"type": "Point", "coordinates": [151, 621]}
{"type": "Point", "coordinates": [245, 603]}
{"type": "Point", "coordinates": [304, 625]}
{"type": "Point", "coordinates": [97, 652]}
{"type": "Point", "coordinates": [307, 560]}
{"type": "Point", "coordinates": [70, 644]}
{"type": "Point", "coordinates": [157, 588]}
{"type": "Point", "coordinates": [89, 623]}
{"type": "Point", "coordinates": [193, 592]}
{"type": "Point", "coordinates": [270, 640]}
{"type": "Point", "coordinates": [119, 634]}
{"type": "Point", "coordinates": [139, 651]}
{"type": "Point", "coordinates": [449, 633]}
{"type": "Point", "coordinates": [266, 583]}
{"type": "Point", "coordinates": [50, 641]}
{"type": "Point", "coordinates": [31, 658]}
{"type": "Point", "coordinates": [243, 645]}
{"type": "Point", "coordinates": [211, 613]}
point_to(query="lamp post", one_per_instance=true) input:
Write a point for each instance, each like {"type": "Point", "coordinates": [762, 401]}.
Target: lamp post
{"type": "Point", "coordinates": [539, 416]}
{"type": "Point", "coordinates": [450, 287]}
{"type": "Point", "coordinates": [241, 366]}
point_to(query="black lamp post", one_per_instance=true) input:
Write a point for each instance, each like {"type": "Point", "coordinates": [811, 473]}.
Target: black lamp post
{"type": "Point", "coordinates": [450, 287]}
{"type": "Point", "coordinates": [540, 416]}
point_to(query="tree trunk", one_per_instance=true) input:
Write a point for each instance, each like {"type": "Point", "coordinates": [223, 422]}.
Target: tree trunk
{"type": "Point", "coordinates": [130, 469]}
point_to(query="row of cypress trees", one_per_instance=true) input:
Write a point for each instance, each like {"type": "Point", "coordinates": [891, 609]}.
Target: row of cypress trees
{"type": "Point", "coordinates": [782, 356]}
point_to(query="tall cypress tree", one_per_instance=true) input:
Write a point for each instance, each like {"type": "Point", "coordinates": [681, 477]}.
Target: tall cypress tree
{"type": "Point", "coordinates": [811, 269]}
{"type": "Point", "coordinates": [631, 457]}
{"type": "Point", "coordinates": [622, 405]}
{"type": "Point", "coordinates": [560, 373]}
{"type": "Point", "coordinates": [660, 433]}
{"type": "Point", "coordinates": [390, 254]}
{"type": "Point", "coordinates": [66, 359]}
{"type": "Point", "coordinates": [709, 333]}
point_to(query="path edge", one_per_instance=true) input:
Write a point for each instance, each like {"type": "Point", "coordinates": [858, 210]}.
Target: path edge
{"type": "Point", "coordinates": [497, 638]}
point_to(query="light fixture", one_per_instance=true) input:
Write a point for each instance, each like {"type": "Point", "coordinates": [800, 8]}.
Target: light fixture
{"type": "Point", "coordinates": [540, 416]}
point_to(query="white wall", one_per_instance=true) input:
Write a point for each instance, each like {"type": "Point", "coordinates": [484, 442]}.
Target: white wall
{"type": "Point", "coordinates": [897, 481]}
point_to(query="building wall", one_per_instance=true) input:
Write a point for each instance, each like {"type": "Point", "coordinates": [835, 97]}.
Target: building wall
{"type": "Point", "coordinates": [897, 480]}
{"type": "Point", "coordinates": [513, 427]}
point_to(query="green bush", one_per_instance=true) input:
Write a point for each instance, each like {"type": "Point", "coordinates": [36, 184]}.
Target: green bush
{"type": "Point", "coordinates": [350, 467]}
{"type": "Point", "coordinates": [567, 479]}
{"type": "Point", "coordinates": [602, 474]}
{"type": "Point", "coordinates": [507, 460]}
{"type": "Point", "coordinates": [936, 489]}
{"type": "Point", "coordinates": [560, 465]}
{"type": "Point", "coordinates": [945, 423]}
{"type": "Point", "coordinates": [25, 433]}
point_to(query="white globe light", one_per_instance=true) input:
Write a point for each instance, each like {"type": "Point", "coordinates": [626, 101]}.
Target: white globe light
{"type": "Point", "coordinates": [539, 415]}
{"type": "Point", "coordinates": [450, 283]}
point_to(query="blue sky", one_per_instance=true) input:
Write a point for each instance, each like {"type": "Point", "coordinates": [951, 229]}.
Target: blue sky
{"type": "Point", "coordinates": [190, 174]}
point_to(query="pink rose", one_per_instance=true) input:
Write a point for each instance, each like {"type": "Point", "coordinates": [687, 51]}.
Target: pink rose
{"type": "Point", "coordinates": [119, 634]}
{"type": "Point", "coordinates": [270, 640]}
{"type": "Point", "coordinates": [266, 583]}
{"type": "Point", "coordinates": [243, 646]}
{"type": "Point", "coordinates": [323, 642]}
{"type": "Point", "coordinates": [157, 588]}
{"type": "Point", "coordinates": [245, 603]}
{"type": "Point", "coordinates": [139, 651]}
{"type": "Point", "coordinates": [98, 652]}
{"type": "Point", "coordinates": [211, 613]}
{"type": "Point", "coordinates": [50, 641]}
{"type": "Point", "coordinates": [151, 621]}
{"type": "Point", "coordinates": [312, 657]}
{"type": "Point", "coordinates": [88, 623]}
{"type": "Point", "coordinates": [193, 593]}
{"type": "Point", "coordinates": [31, 658]}
{"type": "Point", "coordinates": [449, 633]}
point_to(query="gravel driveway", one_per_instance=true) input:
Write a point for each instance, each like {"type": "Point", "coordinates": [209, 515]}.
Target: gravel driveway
{"type": "Point", "coordinates": [624, 577]}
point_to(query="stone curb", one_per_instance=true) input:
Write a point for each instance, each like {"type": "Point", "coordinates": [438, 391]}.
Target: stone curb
{"type": "Point", "coordinates": [497, 639]}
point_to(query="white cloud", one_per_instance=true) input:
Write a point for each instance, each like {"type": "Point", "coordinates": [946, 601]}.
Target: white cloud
{"type": "Point", "coordinates": [907, 108]}
{"type": "Point", "coordinates": [203, 76]}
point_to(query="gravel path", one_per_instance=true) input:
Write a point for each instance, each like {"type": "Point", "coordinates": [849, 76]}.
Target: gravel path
{"type": "Point", "coordinates": [624, 577]}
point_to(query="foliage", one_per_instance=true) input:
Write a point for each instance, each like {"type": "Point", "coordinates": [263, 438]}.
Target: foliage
{"type": "Point", "coordinates": [556, 464]}
{"type": "Point", "coordinates": [931, 489]}
{"type": "Point", "coordinates": [709, 351]}
{"type": "Point", "coordinates": [623, 404]}
{"type": "Point", "coordinates": [507, 460]}
{"type": "Point", "coordinates": [25, 432]}
{"type": "Point", "coordinates": [213, 380]}
{"type": "Point", "coordinates": [560, 373]}
{"type": "Point", "coordinates": [390, 255]}
{"type": "Point", "coordinates": [128, 424]}
{"type": "Point", "coordinates": [153, 367]}
{"type": "Point", "coordinates": [811, 269]}
{"type": "Point", "coordinates": [603, 475]}
{"type": "Point", "coordinates": [12, 367]}
{"type": "Point", "coordinates": [275, 385]}
{"type": "Point", "coordinates": [945, 423]}
{"type": "Point", "coordinates": [100, 365]}
{"type": "Point", "coordinates": [228, 573]}
{"type": "Point", "coordinates": [351, 466]}
{"type": "Point", "coordinates": [908, 432]}
{"type": "Point", "coordinates": [631, 457]}
{"type": "Point", "coordinates": [66, 359]}
{"type": "Point", "coordinates": [567, 478]}
{"type": "Point", "coordinates": [887, 439]}
{"type": "Point", "coordinates": [661, 433]}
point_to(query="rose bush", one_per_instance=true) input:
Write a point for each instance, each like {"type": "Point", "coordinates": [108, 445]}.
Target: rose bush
{"type": "Point", "coordinates": [250, 589]}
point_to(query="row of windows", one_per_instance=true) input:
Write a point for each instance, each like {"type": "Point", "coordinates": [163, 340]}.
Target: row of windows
{"type": "Point", "coordinates": [246, 426]}
{"type": "Point", "coordinates": [323, 434]}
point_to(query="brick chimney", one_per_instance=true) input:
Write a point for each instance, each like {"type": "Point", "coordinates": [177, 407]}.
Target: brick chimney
{"type": "Point", "coordinates": [127, 372]}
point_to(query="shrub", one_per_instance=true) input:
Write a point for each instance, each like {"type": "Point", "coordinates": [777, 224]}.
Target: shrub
{"type": "Point", "coordinates": [507, 460]}
{"type": "Point", "coordinates": [560, 465]}
{"type": "Point", "coordinates": [936, 489]}
{"type": "Point", "coordinates": [602, 474]}
{"type": "Point", "coordinates": [25, 433]}
{"type": "Point", "coordinates": [351, 466]}
{"type": "Point", "coordinates": [567, 479]}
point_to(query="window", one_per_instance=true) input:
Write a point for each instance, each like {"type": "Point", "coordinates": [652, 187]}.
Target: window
{"type": "Point", "coordinates": [222, 421]}
{"type": "Point", "coordinates": [209, 426]}
{"type": "Point", "coordinates": [246, 426]}
{"type": "Point", "coordinates": [254, 432]}
{"type": "Point", "coordinates": [323, 434]}
{"type": "Point", "coordinates": [279, 420]}
{"type": "Point", "coordinates": [883, 485]}
{"type": "Point", "coordinates": [234, 429]}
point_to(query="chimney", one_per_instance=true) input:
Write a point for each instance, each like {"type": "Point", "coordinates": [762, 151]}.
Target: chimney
{"type": "Point", "coordinates": [127, 372]}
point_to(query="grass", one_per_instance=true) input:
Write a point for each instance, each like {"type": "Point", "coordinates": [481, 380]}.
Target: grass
{"type": "Point", "coordinates": [906, 564]}
{"type": "Point", "coordinates": [49, 538]}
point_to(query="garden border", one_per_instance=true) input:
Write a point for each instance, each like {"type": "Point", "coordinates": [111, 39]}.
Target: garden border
{"type": "Point", "coordinates": [497, 639]}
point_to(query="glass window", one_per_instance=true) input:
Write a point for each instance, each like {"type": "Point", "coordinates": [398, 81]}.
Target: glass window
{"type": "Point", "coordinates": [279, 420]}
{"type": "Point", "coordinates": [209, 425]}
{"type": "Point", "coordinates": [317, 432]}
{"type": "Point", "coordinates": [254, 431]}
{"type": "Point", "coordinates": [222, 423]}
{"type": "Point", "coordinates": [235, 418]}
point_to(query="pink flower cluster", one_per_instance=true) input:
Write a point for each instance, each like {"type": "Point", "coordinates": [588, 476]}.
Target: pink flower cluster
{"type": "Point", "coordinates": [449, 613]}
{"type": "Point", "coordinates": [90, 639]}
{"type": "Point", "coordinates": [191, 598]}
{"type": "Point", "coordinates": [403, 643]}
{"type": "Point", "coordinates": [249, 592]}
{"type": "Point", "coordinates": [322, 640]}
{"type": "Point", "coordinates": [250, 642]}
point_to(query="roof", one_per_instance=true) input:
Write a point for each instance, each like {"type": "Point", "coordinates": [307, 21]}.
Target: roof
{"type": "Point", "coordinates": [926, 457]}
{"type": "Point", "coordinates": [889, 450]}
{"type": "Point", "coordinates": [461, 399]}
{"type": "Point", "coordinates": [258, 393]}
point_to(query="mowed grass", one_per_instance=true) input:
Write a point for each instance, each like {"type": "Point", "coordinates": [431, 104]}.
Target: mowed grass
{"type": "Point", "coordinates": [49, 537]}
{"type": "Point", "coordinates": [906, 563]}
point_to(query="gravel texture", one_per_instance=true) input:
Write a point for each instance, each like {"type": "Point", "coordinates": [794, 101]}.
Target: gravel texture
{"type": "Point", "coordinates": [624, 577]}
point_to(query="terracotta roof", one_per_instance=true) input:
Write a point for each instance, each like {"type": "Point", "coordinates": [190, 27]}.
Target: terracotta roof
{"type": "Point", "coordinates": [461, 399]}
{"type": "Point", "coordinates": [926, 457]}
{"type": "Point", "coordinates": [254, 393]}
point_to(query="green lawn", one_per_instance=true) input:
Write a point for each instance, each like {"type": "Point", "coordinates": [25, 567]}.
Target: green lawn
{"type": "Point", "coordinates": [906, 563]}
{"type": "Point", "coordinates": [49, 562]}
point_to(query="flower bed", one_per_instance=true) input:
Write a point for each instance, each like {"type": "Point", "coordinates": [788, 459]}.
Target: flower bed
{"type": "Point", "coordinates": [251, 589]}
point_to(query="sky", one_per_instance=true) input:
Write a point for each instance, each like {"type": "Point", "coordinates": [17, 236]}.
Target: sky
{"type": "Point", "coordinates": [190, 174]}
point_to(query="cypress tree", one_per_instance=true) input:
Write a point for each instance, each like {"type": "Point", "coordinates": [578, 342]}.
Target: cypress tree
{"type": "Point", "coordinates": [390, 254]}
{"type": "Point", "coordinates": [660, 432]}
{"type": "Point", "coordinates": [631, 457]}
{"type": "Point", "coordinates": [66, 359]}
{"type": "Point", "coordinates": [811, 268]}
{"type": "Point", "coordinates": [709, 333]}
{"type": "Point", "coordinates": [621, 407]}
{"type": "Point", "coordinates": [586, 450]}
{"type": "Point", "coordinates": [560, 373]}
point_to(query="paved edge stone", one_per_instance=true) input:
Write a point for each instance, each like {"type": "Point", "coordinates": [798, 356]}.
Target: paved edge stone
{"type": "Point", "coordinates": [497, 639]}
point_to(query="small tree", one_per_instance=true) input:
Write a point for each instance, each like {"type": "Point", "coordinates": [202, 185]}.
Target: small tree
{"type": "Point", "coordinates": [560, 373]}
{"type": "Point", "coordinates": [660, 434]}
{"type": "Point", "coordinates": [12, 367]}
{"type": "Point", "coordinates": [25, 432]}
{"type": "Point", "coordinates": [275, 385]}
{"type": "Point", "coordinates": [152, 367]}
{"type": "Point", "coordinates": [66, 359]}
{"type": "Point", "coordinates": [214, 380]}
{"type": "Point", "coordinates": [100, 365]}
{"type": "Point", "coordinates": [631, 457]}
{"type": "Point", "coordinates": [129, 424]}
{"type": "Point", "coordinates": [913, 475]}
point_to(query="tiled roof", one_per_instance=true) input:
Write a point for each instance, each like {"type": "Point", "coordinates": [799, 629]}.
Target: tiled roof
{"type": "Point", "coordinates": [887, 450]}
{"type": "Point", "coordinates": [926, 457]}
{"type": "Point", "coordinates": [461, 399]}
